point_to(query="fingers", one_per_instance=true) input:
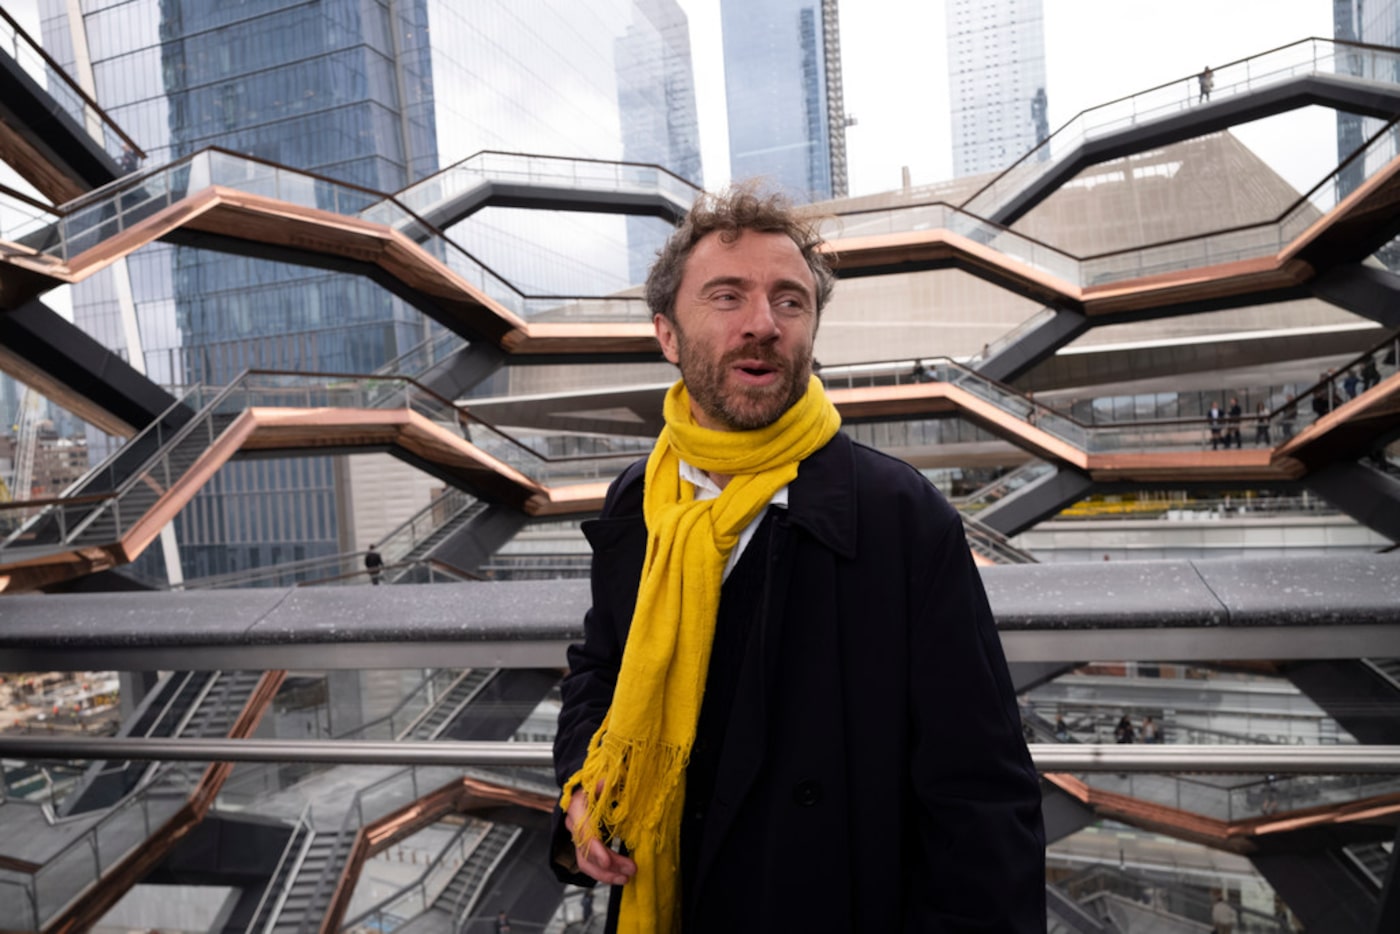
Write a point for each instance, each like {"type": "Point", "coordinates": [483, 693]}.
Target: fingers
{"type": "Point", "coordinates": [595, 860]}
{"type": "Point", "coordinates": [598, 862]}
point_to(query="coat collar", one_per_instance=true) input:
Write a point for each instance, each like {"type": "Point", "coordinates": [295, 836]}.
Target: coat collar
{"type": "Point", "coordinates": [822, 502]}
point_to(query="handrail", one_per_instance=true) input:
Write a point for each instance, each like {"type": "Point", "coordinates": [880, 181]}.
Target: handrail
{"type": "Point", "coordinates": [1089, 874]}
{"type": "Point", "coordinates": [996, 544]}
{"type": "Point", "coordinates": [447, 338]}
{"type": "Point", "coordinates": [138, 797]}
{"type": "Point", "coordinates": [1025, 472]}
{"type": "Point", "coordinates": [1076, 268]}
{"type": "Point", "coordinates": [470, 895]}
{"type": "Point", "coordinates": [251, 575]}
{"type": "Point", "coordinates": [453, 499]}
{"type": "Point", "coordinates": [1357, 155]}
{"type": "Point", "coordinates": [448, 504]}
{"type": "Point", "coordinates": [1083, 115]}
{"type": "Point", "coordinates": [71, 496]}
{"type": "Point", "coordinates": [340, 848]}
{"type": "Point", "coordinates": [434, 565]}
{"type": "Point", "coordinates": [902, 370]}
{"type": "Point", "coordinates": [301, 833]}
{"type": "Point", "coordinates": [532, 155]}
{"type": "Point", "coordinates": [462, 675]}
{"type": "Point", "coordinates": [479, 830]}
{"type": "Point", "coordinates": [72, 85]}
{"type": "Point", "coordinates": [1259, 759]}
{"type": "Point", "coordinates": [463, 412]}
{"type": "Point", "coordinates": [368, 198]}
{"type": "Point", "coordinates": [137, 475]}
{"type": "Point", "coordinates": [423, 686]}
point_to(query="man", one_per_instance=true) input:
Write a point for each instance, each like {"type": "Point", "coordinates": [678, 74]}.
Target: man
{"type": "Point", "coordinates": [374, 564]}
{"type": "Point", "coordinates": [1215, 417]}
{"type": "Point", "coordinates": [1232, 431]}
{"type": "Point", "coordinates": [811, 727]}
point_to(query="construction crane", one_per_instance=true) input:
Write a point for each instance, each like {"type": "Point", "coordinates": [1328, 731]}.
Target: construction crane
{"type": "Point", "coordinates": [27, 431]}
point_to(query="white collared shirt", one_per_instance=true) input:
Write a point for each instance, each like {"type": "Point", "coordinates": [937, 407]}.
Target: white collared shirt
{"type": "Point", "coordinates": [705, 488]}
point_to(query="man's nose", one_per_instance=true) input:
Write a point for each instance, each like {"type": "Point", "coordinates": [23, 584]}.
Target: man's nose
{"type": "Point", "coordinates": [760, 323]}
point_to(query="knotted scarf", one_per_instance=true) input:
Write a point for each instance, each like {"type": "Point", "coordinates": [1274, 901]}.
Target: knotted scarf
{"type": "Point", "coordinates": [640, 751]}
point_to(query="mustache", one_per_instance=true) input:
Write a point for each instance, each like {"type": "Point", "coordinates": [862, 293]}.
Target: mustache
{"type": "Point", "coordinates": [759, 353]}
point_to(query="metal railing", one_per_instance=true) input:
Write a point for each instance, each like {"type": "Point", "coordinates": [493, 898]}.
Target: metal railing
{"type": "Point", "coordinates": [1270, 427]}
{"type": "Point", "coordinates": [82, 862]}
{"type": "Point", "coordinates": [1254, 760]}
{"type": "Point", "coordinates": [1174, 896]}
{"type": "Point", "coordinates": [88, 221]}
{"type": "Point", "coordinates": [421, 357]}
{"type": "Point", "coordinates": [67, 94]}
{"type": "Point", "coordinates": [1265, 795]}
{"type": "Point", "coordinates": [369, 804]}
{"type": "Point", "coordinates": [471, 893]}
{"type": "Point", "coordinates": [1312, 56]}
{"type": "Point", "coordinates": [1002, 486]}
{"type": "Point", "coordinates": [142, 470]}
{"type": "Point", "coordinates": [428, 194]}
{"type": "Point", "coordinates": [275, 896]}
{"type": "Point", "coordinates": [420, 894]}
{"type": "Point", "coordinates": [993, 545]}
{"type": "Point", "coordinates": [65, 520]}
{"type": "Point", "coordinates": [1265, 238]}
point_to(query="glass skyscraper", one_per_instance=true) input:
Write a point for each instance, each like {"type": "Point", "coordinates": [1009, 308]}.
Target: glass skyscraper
{"type": "Point", "coordinates": [379, 95]}
{"type": "Point", "coordinates": [996, 81]}
{"type": "Point", "coordinates": [1376, 22]}
{"type": "Point", "coordinates": [783, 92]}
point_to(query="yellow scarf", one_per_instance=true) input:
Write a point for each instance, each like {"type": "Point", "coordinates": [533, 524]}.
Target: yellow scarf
{"type": "Point", "coordinates": [640, 751]}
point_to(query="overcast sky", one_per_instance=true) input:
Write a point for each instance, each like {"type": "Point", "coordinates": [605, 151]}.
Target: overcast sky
{"type": "Point", "coordinates": [896, 75]}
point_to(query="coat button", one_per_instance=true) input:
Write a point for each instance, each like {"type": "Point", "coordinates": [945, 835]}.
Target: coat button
{"type": "Point", "coordinates": [807, 793]}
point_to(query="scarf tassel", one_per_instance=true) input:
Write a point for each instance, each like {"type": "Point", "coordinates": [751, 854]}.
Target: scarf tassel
{"type": "Point", "coordinates": [612, 766]}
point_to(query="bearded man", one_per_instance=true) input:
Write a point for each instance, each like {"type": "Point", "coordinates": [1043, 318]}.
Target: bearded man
{"type": "Point", "coordinates": [790, 710]}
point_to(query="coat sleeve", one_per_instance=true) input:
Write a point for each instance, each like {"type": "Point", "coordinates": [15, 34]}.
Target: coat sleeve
{"type": "Point", "coordinates": [979, 861]}
{"type": "Point", "coordinates": [586, 692]}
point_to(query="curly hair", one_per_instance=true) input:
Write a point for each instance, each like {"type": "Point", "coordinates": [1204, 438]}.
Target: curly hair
{"type": "Point", "coordinates": [738, 208]}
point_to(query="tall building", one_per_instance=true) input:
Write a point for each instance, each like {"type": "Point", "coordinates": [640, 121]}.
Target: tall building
{"type": "Point", "coordinates": [1377, 23]}
{"type": "Point", "coordinates": [996, 80]}
{"type": "Point", "coordinates": [378, 95]}
{"type": "Point", "coordinates": [782, 72]}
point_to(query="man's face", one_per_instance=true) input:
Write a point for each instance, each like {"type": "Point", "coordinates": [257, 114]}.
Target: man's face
{"type": "Point", "coordinates": [745, 322]}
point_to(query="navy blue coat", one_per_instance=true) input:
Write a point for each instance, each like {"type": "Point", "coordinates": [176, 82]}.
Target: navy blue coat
{"type": "Point", "coordinates": [874, 776]}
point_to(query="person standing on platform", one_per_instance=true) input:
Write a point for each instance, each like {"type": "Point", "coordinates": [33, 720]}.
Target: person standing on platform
{"type": "Point", "coordinates": [1232, 426]}
{"type": "Point", "coordinates": [374, 564]}
{"type": "Point", "coordinates": [1207, 82]}
{"type": "Point", "coordinates": [790, 675]}
{"type": "Point", "coordinates": [1261, 424]}
{"type": "Point", "coordinates": [1214, 418]}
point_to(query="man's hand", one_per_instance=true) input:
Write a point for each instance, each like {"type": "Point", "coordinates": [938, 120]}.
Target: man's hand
{"type": "Point", "coordinates": [595, 859]}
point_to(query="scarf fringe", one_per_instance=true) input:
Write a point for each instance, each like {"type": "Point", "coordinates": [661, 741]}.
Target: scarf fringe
{"type": "Point", "coordinates": [617, 764]}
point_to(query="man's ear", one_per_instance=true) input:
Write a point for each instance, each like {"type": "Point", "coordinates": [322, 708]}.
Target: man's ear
{"type": "Point", "coordinates": [666, 336]}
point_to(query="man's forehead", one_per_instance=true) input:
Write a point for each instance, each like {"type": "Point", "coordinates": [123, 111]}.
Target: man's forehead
{"type": "Point", "coordinates": [772, 249]}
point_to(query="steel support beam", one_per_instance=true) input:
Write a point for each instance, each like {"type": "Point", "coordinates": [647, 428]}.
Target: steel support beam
{"type": "Point", "coordinates": [1037, 501]}
{"type": "Point", "coordinates": [1368, 291]}
{"type": "Point", "coordinates": [1038, 344]}
{"type": "Point", "coordinates": [1362, 492]}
